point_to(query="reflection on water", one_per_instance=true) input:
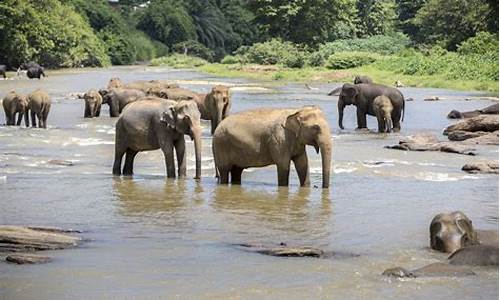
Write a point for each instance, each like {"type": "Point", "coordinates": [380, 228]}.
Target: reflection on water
{"type": "Point", "coordinates": [155, 238]}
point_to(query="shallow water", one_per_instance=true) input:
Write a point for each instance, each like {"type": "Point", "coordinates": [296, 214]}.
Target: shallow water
{"type": "Point", "coordinates": [154, 238]}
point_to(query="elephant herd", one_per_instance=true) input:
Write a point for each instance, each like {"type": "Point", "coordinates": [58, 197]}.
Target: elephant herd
{"type": "Point", "coordinates": [36, 103]}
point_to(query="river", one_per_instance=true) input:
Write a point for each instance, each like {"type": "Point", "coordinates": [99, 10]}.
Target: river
{"type": "Point", "coordinates": [153, 238]}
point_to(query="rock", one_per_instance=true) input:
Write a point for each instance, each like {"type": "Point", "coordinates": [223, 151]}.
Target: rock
{"type": "Point", "coordinates": [399, 84]}
{"type": "Point", "coordinates": [492, 109]}
{"type": "Point", "coordinates": [19, 238]}
{"type": "Point", "coordinates": [60, 162]}
{"type": "Point", "coordinates": [432, 270]}
{"type": "Point", "coordinates": [488, 123]}
{"type": "Point", "coordinates": [410, 99]}
{"type": "Point", "coordinates": [25, 258]}
{"type": "Point", "coordinates": [433, 98]}
{"type": "Point", "coordinates": [429, 142]}
{"type": "Point", "coordinates": [283, 250]}
{"type": "Point", "coordinates": [465, 135]}
{"type": "Point", "coordinates": [486, 139]}
{"type": "Point", "coordinates": [481, 167]}
{"type": "Point", "coordinates": [476, 255]}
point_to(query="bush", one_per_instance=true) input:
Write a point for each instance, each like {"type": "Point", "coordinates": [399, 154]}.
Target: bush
{"type": "Point", "coordinates": [381, 44]}
{"type": "Point", "coordinates": [315, 59]}
{"type": "Point", "coordinates": [144, 47]}
{"type": "Point", "coordinates": [484, 43]}
{"type": "Point", "coordinates": [274, 52]}
{"type": "Point", "coordinates": [347, 60]}
{"type": "Point", "coordinates": [179, 61]}
{"type": "Point", "coordinates": [194, 48]}
{"type": "Point", "coordinates": [230, 60]}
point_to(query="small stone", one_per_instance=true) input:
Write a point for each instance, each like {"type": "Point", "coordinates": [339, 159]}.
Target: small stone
{"type": "Point", "coordinates": [25, 258]}
{"type": "Point", "coordinates": [398, 272]}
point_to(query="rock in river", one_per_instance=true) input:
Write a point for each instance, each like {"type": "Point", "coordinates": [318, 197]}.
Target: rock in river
{"type": "Point", "coordinates": [487, 123]}
{"type": "Point", "coordinates": [429, 142]}
{"type": "Point", "coordinates": [25, 258]}
{"type": "Point", "coordinates": [432, 270]}
{"type": "Point", "coordinates": [482, 167]}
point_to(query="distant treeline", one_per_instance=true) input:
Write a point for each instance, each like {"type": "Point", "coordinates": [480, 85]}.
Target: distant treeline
{"type": "Point", "coordinates": [74, 33]}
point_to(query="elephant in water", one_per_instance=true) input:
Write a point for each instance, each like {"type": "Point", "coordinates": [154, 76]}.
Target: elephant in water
{"type": "Point", "coordinates": [39, 105]}
{"type": "Point", "coordinates": [154, 123]}
{"type": "Point", "coordinates": [213, 106]}
{"type": "Point", "coordinates": [357, 80]}
{"type": "Point", "coordinates": [93, 102]}
{"type": "Point", "coordinates": [3, 71]}
{"type": "Point", "coordinates": [382, 107]}
{"type": "Point", "coordinates": [118, 98]}
{"type": "Point", "coordinates": [145, 86]}
{"type": "Point", "coordinates": [362, 95]}
{"type": "Point", "coordinates": [454, 233]}
{"type": "Point", "coordinates": [262, 137]}
{"type": "Point", "coordinates": [33, 69]}
{"type": "Point", "coordinates": [14, 103]}
{"type": "Point", "coordinates": [115, 83]}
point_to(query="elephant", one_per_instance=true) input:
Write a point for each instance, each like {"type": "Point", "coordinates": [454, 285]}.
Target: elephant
{"type": "Point", "coordinates": [117, 99]}
{"type": "Point", "coordinates": [35, 72]}
{"type": "Point", "coordinates": [357, 80]}
{"type": "Point", "coordinates": [3, 71]}
{"type": "Point", "coordinates": [93, 102]}
{"type": "Point", "coordinates": [362, 79]}
{"type": "Point", "coordinates": [362, 95]}
{"type": "Point", "coordinates": [262, 137]}
{"type": "Point", "coordinates": [39, 106]}
{"type": "Point", "coordinates": [453, 233]}
{"type": "Point", "coordinates": [14, 103]}
{"type": "Point", "coordinates": [489, 110]}
{"type": "Point", "coordinates": [115, 83]}
{"type": "Point", "coordinates": [152, 123]}
{"type": "Point", "coordinates": [145, 86]}
{"type": "Point", "coordinates": [382, 107]}
{"type": "Point", "coordinates": [213, 106]}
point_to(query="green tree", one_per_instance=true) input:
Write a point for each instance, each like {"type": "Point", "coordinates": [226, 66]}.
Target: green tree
{"type": "Point", "coordinates": [241, 19]}
{"type": "Point", "coordinates": [406, 11]}
{"type": "Point", "coordinates": [376, 17]}
{"type": "Point", "coordinates": [447, 23]}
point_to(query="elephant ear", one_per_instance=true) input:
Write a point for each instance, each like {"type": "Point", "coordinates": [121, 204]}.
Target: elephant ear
{"type": "Point", "coordinates": [293, 123]}
{"type": "Point", "coordinates": [470, 235]}
{"type": "Point", "coordinates": [168, 117]}
{"type": "Point", "coordinates": [350, 90]}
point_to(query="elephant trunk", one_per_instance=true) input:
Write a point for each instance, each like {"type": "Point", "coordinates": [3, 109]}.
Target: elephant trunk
{"type": "Point", "coordinates": [196, 133]}
{"type": "Point", "coordinates": [218, 118]}
{"type": "Point", "coordinates": [341, 107]}
{"type": "Point", "coordinates": [325, 146]}
{"type": "Point", "coordinates": [388, 124]}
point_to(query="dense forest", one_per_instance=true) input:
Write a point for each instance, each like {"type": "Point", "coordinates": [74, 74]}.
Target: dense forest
{"type": "Point", "coordinates": [331, 33]}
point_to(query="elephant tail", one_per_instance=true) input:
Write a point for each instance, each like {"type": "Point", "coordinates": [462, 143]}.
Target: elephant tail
{"type": "Point", "coordinates": [215, 160]}
{"type": "Point", "coordinates": [404, 103]}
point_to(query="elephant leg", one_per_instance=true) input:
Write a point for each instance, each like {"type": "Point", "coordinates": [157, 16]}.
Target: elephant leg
{"type": "Point", "coordinates": [169, 160]}
{"type": "Point", "coordinates": [19, 118]}
{"type": "Point", "coordinates": [40, 120]}
{"type": "Point", "coordinates": [26, 119]}
{"type": "Point", "coordinates": [45, 116]}
{"type": "Point", "coordinates": [302, 167]}
{"type": "Point", "coordinates": [283, 173]}
{"type": "Point", "coordinates": [98, 111]}
{"type": "Point", "coordinates": [396, 116]}
{"type": "Point", "coordinates": [128, 169]}
{"type": "Point", "coordinates": [361, 115]}
{"type": "Point", "coordinates": [223, 176]}
{"type": "Point", "coordinates": [117, 165]}
{"type": "Point", "coordinates": [180, 151]}
{"type": "Point", "coordinates": [33, 119]}
{"type": "Point", "coordinates": [381, 123]}
{"type": "Point", "coordinates": [236, 175]}
{"type": "Point", "coordinates": [86, 113]}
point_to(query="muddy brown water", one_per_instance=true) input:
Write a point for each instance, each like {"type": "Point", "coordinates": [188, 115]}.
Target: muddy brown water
{"type": "Point", "coordinates": [153, 238]}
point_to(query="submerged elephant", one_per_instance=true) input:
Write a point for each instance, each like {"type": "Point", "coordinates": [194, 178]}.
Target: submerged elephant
{"type": "Point", "coordinates": [145, 86]}
{"type": "Point", "coordinates": [213, 106]}
{"type": "Point", "coordinates": [93, 102]}
{"type": "Point", "coordinates": [262, 137]}
{"type": "Point", "coordinates": [3, 71]}
{"type": "Point", "coordinates": [39, 105]}
{"type": "Point", "coordinates": [14, 103]}
{"type": "Point", "coordinates": [489, 110]}
{"type": "Point", "coordinates": [383, 110]}
{"type": "Point", "coordinates": [454, 233]}
{"type": "Point", "coordinates": [118, 98]}
{"type": "Point", "coordinates": [154, 123]}
{"type": "Point", "coordinates": [362, 96]}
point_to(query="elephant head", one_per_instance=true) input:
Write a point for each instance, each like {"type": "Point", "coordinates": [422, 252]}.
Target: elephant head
{"type": "Point", "coordinates": [92, 100]}
{"type": "Point", "coordinates": [450, 232]}
{"type": "Point", "coordinates": [310, 127]}
{"type": "Point", "coordinates": [115, 83]}
{"type": "Point", "coordinates": [184, 117]}
{"type": "Point", "coordinates": [218, 103]}
{"type": "Point", "coordinates": [347, 96]}
{"type": "Point", "coordinates": [157, 92]}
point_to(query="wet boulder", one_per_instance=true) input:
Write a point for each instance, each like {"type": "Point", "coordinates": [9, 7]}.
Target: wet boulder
{"type": "Point", "coordinates": [482, 167]}
{"type": "Point", "coordinates": [431, 270]}
{"type": "Point", "coordinates": [283, 250]}
{"type": "Point", "coordinates": [20, 238]}
{"type": "Point", "coordinates": [486, 139]}
{"type": "Point", "coordinates": [429, 142]}
{"type": "Point", "coordinates": [26, 258]}
{"type": "Point", "coordinates": [487, 123]}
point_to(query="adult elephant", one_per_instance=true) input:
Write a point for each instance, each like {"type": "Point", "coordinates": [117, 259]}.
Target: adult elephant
{"type": "Point", "coordinates": [39, 105]}
{"type": "Point", "coordinates": [3, 71]}
{"type": "Point", "coordinates": [213, 106]}
{"type": "Point", "coordinates": [93, 102]}
{"type": "Point", "coordinates": [14, 103]}
{"type": "Point", "coordinates": [357, 80]}
{"type": "Point", "coordinates": [146, 85]}
{"type": "Point", "coordinates": [362, 95]}
{"type": "Point", "coordinates": [118, 98]}
{"type": "Point", "coordinates": [262, 137]}
{"type": "Point", "coordinates": [154, 123]}
{"type": "Point", "coordinates": [33, 69]}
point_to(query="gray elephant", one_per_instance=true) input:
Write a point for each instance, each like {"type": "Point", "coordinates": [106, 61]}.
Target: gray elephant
{"type": "Point", "coordinates": [33, 69]}
{"type": "Point", "coordinates": [362, 79]}
{"type": "Point", "coordinates": [362, 95]}
{"type": "Point", "coordinates": [39, 106]}
{"type": "Point", "coordinates": [145, 86]}
{"type": "Point", "coordinates": [118, 98]}
{"type": "Point", "coordinates": [489, 110]}
{"type": "Point", "coordinates": [382, 107]}
{"type": "Point", "coordinates": [262, 137]}
{"type": "Point", "coordinates": [115, 83]}
{"type": "Point", "coordinates": [3, 71]}
{"type": "Point", "coordinates": [454, 233]}
{"type": "Point", "coordinates": [14, 103]}
{"type": "Point", "coordinates": [154, 123]}
{"type": "Point", "coordinates": [213, 106]}
{"type": "Point", "coordinates": [93, 102]}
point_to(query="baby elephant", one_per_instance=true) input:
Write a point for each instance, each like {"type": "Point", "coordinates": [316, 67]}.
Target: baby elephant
{"type": "Point", "coordinates": [39, 104]}
{"type": "Point", "coordinates": [93, 102]}
{"type": "Point", "coordinates": [13, 104]}
{"type": "Point", "coordinates": [382, 106]}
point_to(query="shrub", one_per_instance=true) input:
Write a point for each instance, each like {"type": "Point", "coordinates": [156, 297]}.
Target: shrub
{"type": "Point", "coordinates": [274, 52]}
{"type": "Point", "coordinates": [484, 43]}
{"type": "Point", "coordinates": [179, 61]}
{"type": "Point", "coordinates": [230, 59]}
{"type": "Point", "coordinates": [347, 60]}
{"type": "Point", "coordinates": [315, 59]}
{"type": "Point", "coordinates": [194, 48]}
{"type": "Point", "coordinates": [144, 47]}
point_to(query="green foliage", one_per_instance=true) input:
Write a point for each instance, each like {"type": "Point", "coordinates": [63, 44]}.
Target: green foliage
{"type": "Point", "coordinates": [48, 32]}
{"type": "Point", "coordinates": [376, 17]}
{"type": "Point", "coordinates": [179, 61]}
{"type": "Point", "coordinates": [194, 48]}
{"type": "Point", "coordinates": [230, 60]}
{"type": "Point", "coordinates": [145, 48]}
{"type": "Point", "coordinates": [484, 43]}
{"type": "Point", "coordinates": [347, 60]}
{"type": "Point", "coordinates": [315, 59]}
{"type": "Point", "coordinates": [448, 23]}
{"type": "Point", "coordinates": [381, 44]}
{"type": "Point", "coordinates": [406, 11]}
{"type": "Point", "coordinates": [274, 52]}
